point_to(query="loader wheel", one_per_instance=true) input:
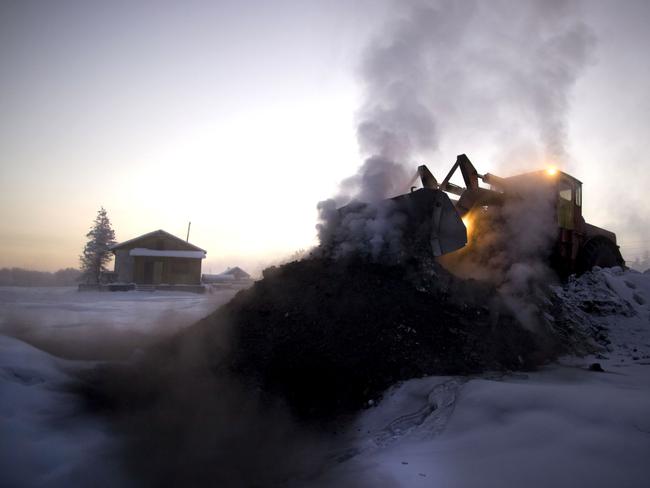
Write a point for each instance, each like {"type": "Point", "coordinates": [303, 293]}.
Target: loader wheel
{"type": "Point", "coordinates": [598, 251]}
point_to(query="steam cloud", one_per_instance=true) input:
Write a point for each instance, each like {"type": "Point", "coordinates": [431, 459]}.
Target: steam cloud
{"type": "Point", "coordinates": [500, 72]}
{"type": "Point", "coordinates": [474, 76]}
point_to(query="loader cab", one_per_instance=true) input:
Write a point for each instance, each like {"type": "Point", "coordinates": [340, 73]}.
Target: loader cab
{"type": "Point", "coordinates": [563, 191]}
{"type": "Point", "coordinates": [569, 201]}
{"type": "Point", "coordinates": [569, 221]}
{"type": "Point", "coordinates": [564, 195]}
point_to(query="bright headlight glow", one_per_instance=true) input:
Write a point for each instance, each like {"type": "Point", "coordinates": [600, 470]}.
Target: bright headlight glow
{"type": "Point", "coordinates": [467, 220]}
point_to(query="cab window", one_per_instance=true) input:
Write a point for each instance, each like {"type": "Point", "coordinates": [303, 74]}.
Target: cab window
{"type": "Point", "coordinates": [565, 204]}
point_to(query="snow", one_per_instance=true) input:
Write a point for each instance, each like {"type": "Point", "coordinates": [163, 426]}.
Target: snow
{"type": "Point", "coordinates": [44, 439]}
{"type": "Point", "coordinates": [65, 307]}
{"type": "Point", "coordinates": [562, 426]}
{"type": "Point", "coordinates": [100, 325]}
{"type": "Point", "coordinates": [141, 251]}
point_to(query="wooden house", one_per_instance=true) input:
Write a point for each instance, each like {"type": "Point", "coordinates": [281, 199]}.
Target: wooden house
{"type": "Point", "coordinates": [158, 258]}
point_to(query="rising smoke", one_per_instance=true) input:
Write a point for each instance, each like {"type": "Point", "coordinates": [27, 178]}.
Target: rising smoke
{"type": "Point", "coordinates": [486, 77]}
{"type": "Point", "coordinates": [495, 72]}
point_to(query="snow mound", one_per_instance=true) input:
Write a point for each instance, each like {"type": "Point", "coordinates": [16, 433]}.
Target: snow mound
{"type": "Point", "coordinates": [611, 306]}
{"type": "Point", "coordinates": [599, 292]}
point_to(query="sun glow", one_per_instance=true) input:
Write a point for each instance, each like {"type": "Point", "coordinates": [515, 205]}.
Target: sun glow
{"type": "Point", "coordinates": [551, 171]}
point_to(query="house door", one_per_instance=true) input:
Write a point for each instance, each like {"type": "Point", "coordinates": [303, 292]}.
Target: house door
{"type": "Point", "coordinates": [148, 272]}
{"type": "Point", "coordinates": [157, 272]}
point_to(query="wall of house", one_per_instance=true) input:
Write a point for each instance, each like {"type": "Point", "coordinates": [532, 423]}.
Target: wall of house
{"type": "Point", "coordinates": [182, 271]}
{"type": "Point", "coordinates": [123, 266]}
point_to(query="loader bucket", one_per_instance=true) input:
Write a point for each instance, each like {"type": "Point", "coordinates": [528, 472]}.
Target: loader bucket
{"type": "Point", "coordinates": [432, 218]}
{"type": "Point", "coordinates": [426, 219]}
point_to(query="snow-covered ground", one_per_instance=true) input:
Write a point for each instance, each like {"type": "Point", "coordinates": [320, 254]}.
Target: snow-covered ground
{"type": "Point", "coordinates": [44, 439]}
{"type": "Point", "coordinates": [100, 325]}
{"type": "Point", "coordinates": [564, 426]}
{"type": "Point", "coordinates": [65, 307]}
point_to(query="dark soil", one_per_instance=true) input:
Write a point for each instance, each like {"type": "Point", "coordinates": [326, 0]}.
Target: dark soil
{"type": "Point", "coordinates": [329, 336]}
{"type": "Point", "coordinates": [326, 337]}
{"type": "Point", "coordinates": [208, 407]}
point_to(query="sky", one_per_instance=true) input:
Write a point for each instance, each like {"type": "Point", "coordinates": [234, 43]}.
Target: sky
{"type": "Point", "coordinates": [240, 116]}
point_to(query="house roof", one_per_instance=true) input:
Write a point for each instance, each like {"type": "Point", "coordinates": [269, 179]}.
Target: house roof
{"type": "Point", "coordinates": [237, 272]}
{"type": "Point", "coordinates": [231, 274]}
{"type": "Point", "coordinates": [156, 233]}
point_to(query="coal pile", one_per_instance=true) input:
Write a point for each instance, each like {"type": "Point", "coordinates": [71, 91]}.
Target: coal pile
{"type": "Point", "coordinates": [328, 336]}
{"type": "Point", "coordinates": [250, 395]}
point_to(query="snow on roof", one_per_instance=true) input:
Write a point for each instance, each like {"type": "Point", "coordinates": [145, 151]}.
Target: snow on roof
{"type": "Point", "coordinates": [141, 251]}
{"type": "Point", "coordinates": [152, 233]}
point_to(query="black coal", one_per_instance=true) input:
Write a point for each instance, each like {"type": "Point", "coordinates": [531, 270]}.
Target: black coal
{"type": "Point", "coordinates": [242, 397]}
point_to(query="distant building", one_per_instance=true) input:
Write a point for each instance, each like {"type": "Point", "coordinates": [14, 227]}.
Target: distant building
{"type": "Point", "coordinates": [235, 274]}
{"type": "Point", "coordinates": [158, 258]}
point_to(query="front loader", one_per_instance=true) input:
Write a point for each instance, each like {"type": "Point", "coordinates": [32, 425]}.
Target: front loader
{"type": "Point", "coordinates": [438, 222]}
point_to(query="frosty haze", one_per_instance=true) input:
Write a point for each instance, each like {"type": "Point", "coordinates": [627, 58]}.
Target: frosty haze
{"type": "Point", "coordinates": [444, 74]}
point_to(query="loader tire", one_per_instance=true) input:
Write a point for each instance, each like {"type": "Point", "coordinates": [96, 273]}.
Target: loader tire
{"type": "Point", "coordinates": [599, 251]}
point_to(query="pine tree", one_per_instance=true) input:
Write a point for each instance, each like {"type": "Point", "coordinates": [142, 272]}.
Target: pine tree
{"type": "Point", "coordinates": [96, 252]}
